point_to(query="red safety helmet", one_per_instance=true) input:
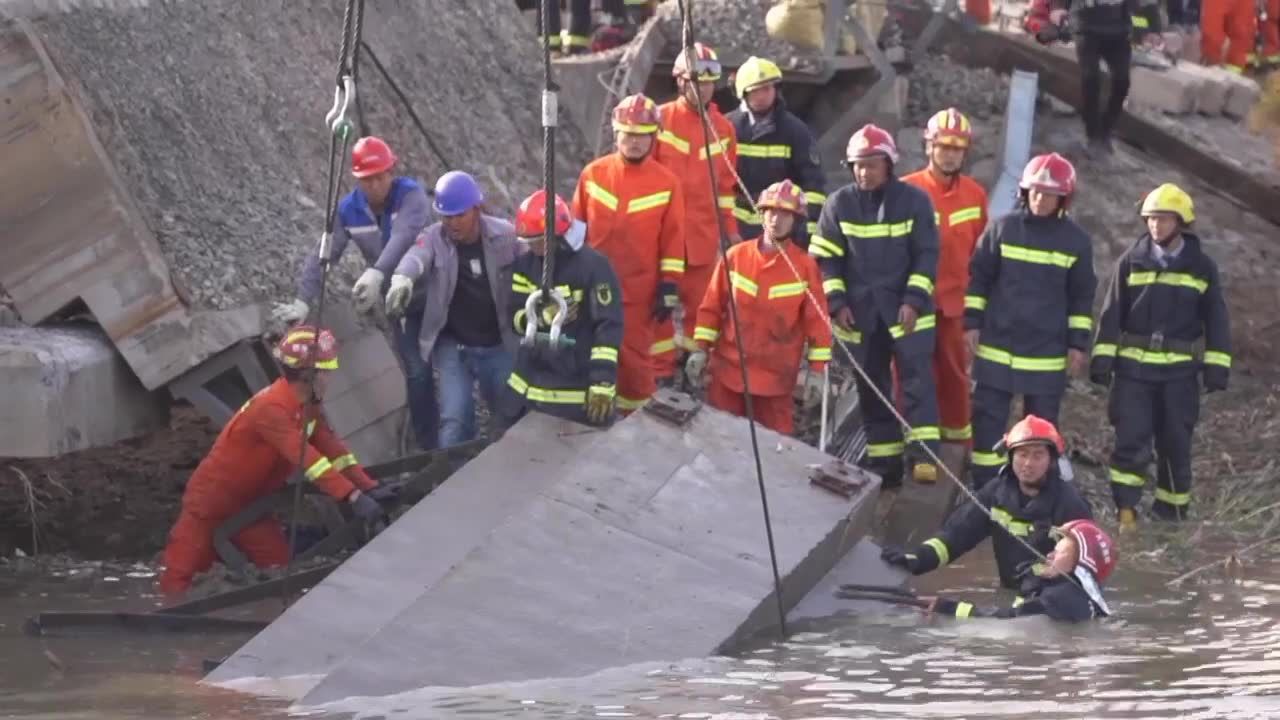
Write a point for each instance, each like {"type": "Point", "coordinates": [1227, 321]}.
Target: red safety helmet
{"type": "Point", "coordinates": [869, 142]}
{"type": "Point", "coordinates": [949, 127]}
{"type": "Point", "coordinates": [1052, 174]}
{"type": "Point", "coordinates": [371, 156]}
{"type": "Point", "coordinates": [636, 114]}
{"type": "Point", "coordinates": [784, 195]}
{"type": "Point", "coordinates": [1096, 552]}
{"type": "Point", "coordinates": [301, 349]}
{"type": "Point", "coordinates": [1032, 430]}
{"type": "Point", "coordinates": [706, 64]}
{"type": "Point", "coordinates": [531, 218]}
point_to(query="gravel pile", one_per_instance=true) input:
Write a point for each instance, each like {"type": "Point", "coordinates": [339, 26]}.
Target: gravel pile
{"type": "Point", "coordinates": [732, 27]}
{"type": "Point", "coordinates": [1226, 138]}
{"type": "Point", "coordinates": [213, 114]}
{"type": "Point", "coordinates": [937, 83]}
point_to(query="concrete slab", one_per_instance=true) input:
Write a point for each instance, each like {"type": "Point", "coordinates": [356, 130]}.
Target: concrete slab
{"type": "Point", "coordinates": [67, 389]}
{"type": "Point", "coordinates": [862, 566]}
{"type": "Point", "coordinates": [600, 556]}
{"type": "Point", "coordinates": [1212, 96]}
{"type": "Point", "coordinates": [1242, 95]}
{"type": "Point", "coordinates": [1170, 91]}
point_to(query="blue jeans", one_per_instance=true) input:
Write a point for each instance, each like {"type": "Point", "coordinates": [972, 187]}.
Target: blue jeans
{"type": "Point", "coordinates": [462, 368]}
{"type": "Point", "coordinates": [420, 387]}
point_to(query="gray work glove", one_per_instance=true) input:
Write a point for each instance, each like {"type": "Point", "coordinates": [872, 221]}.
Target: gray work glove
{"type": "Point", "coordinates": [695, 368]}
{"type": "Point", "coordinates": [365, 292]}
{"type": "Point", "coordinates": [290, 312]}
{"type": "Point", "coordinates": [399, 294]}
{"type": "Point", "coordinates": [366, 508]}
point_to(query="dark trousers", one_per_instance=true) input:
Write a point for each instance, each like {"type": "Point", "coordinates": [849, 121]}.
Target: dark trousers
{"type": "Point", "coordinates": [1091, 51]}
{"type": "Point", "coordinates": [913, 355]}
{"type": "Point", "coordinates": [991, 419]}
{"type": "Point", "coordinates": [1162, 414]}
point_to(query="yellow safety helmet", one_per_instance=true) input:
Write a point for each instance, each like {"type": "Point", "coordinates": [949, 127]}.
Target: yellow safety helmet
{"type": "Point", "coordinates": [1169, 198]}
{"type": "Point", "coordinates": [756, 71]}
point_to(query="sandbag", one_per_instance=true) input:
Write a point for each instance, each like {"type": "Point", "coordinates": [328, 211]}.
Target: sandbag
{"type": "Point", "coordinates": [800, 22]}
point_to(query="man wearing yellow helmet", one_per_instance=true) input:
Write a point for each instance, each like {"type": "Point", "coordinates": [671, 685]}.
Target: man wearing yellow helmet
{"type": "Point", "coordinates": [1164, 296]}
{"type": "Point", "coordinates": [773, 145]}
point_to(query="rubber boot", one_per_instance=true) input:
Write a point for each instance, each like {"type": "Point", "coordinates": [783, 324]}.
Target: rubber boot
{"type": "Point", "coordinates": [924, 472]}
{"type": "Point", "coordinates": [1128, 520]}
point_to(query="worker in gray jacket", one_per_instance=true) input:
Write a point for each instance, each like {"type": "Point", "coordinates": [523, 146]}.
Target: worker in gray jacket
{"type": "Point", "coordinates": [464, 262]}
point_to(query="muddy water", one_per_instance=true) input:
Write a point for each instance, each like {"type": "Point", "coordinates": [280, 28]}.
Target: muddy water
{"type": "Point", "coordinates": [1211, 651]}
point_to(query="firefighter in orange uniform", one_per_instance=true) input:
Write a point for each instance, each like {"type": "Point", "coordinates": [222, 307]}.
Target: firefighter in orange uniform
{"type": "Point", "coordinates": [777, 314]}
{"type": "Point", "coordinates": [960, 210]}
{"type": "Point", "coordinates": [254, 456]}
{"type": "Point", "coordinates": [634, 210]}
{"type": "Point", "coordinates": [685, 149]}
{"type": "Point", "coordinates": [1229, 23]}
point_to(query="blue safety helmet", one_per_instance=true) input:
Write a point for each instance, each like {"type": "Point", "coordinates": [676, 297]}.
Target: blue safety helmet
{"type": "Point", "coordinates": [456, 193]}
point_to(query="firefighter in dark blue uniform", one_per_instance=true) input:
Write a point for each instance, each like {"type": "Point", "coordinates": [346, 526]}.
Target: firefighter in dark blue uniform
{"type": "Point", "coordinates": [1163, 298]}
{"type": "Point", "coordinates": [877, 247]}
{"type": "Point", "coordinates": [1019, 507]}
{"type": "Point", "coordinates": [1029, 308]}
{"type": "Point", "coordinates": [773, 145]}
{"type": "Point", "coordinates": [575, 378]}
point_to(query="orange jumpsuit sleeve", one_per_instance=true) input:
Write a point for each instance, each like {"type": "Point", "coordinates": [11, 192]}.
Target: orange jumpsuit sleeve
{"type": "Point", "coordinates": [707, 330]}
{"type": "Point", "coordinates": [817, 327]}
{"type": "Point", "coordinates": [726, 184]}
{"type": "Point", "coordinates": [344, 461]}
{"type": "Point", "coordinates": [580, 197]}
{"type": "Point", "coordinates": [671, 238]}
{"type": "Point", "coordinates": [280, 430]}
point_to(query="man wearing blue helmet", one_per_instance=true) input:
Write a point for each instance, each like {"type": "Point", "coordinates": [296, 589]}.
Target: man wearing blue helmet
{"type": "Point", "coordinates": [464, 262]}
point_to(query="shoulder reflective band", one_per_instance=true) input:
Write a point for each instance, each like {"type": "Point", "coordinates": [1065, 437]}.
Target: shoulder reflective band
{"type": "Point", "coordinates": [741, 282]}
{"type": "Point", "coordinates": [604, 197]}
{"type": "Point", "coordinates": [1037, 257]}
{"type": "Point", "coordinates": [964, 215]}
{"type": "Point", "coordinates": [1017, 528]}
{"type": "Point", "coordinates": [752, 150]}
{"type": "Point", "coordinates": [940, 549]}
{"type": "Point", "coordinates": [786, 290]}
{"type": "Point", "coordinates": [714, 148]}
{"type": "Point", "coordinates": [870, 231]}
{"type": "Point", "coordinates": [675, 141]}
{"type": "Point", "coordinates": [649, 202]}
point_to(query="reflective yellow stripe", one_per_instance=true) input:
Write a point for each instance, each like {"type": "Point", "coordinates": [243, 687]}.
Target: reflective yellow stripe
{"type": "Point", "coordinates": [1213, 357]}
{"type": "Point", "coordinates": [1234, 68]}
{"type": "Point", "coordinates": [1120, 477]}
{"type": "Point", "coordinates": [344, 462]}
{"type": "Point", "coordinates": [819, 354]}
{"type": "Point", "coordinates": [604, 352]}
{"type": "Point", "coordinates": [747, 215]}
{"type": "Point", "coordinates": [605, 197]}
{"type": "Point", "coordinates": [922, 282]}
{"type": "Point", "coordinates": [811, 227]}
{"type": "Point", "coordinates": [1151, 357]}
{"type": "Point", "coordinates": [522, 284]}
{"type": "Point", "coordinates": [964, 215]}
{"type": "Point", "coordinates": [831, 285]}
{"type": "Point", "coordinates": [883, 450]}
{"type": "Point", "coordinates": [1018, 600]}
{"type": "Point", "coordinates": [975, 302]}
{"type": "Point", "coordinates": [1140, 22]}
{"type": "Point", "coordinates": [987, 459]}
{"type": "Point", "coordinates": [318, 468]}
{"type": "Point", "coordinates": [1038, 257]}
{"type": "Point", "coordinates": [705, 333]}
{"type": "Point", "coordinates": [715, 148]}
{"type": "Point", "coordinates": [725, 202]}
{"type": "Point", "coordinates": [311, 428]}
{"type": "Point", "coordinates": [1018, 362]}
{"type": "Point", "coordinates": [663, 346]}
{"type": "Point", "coordinates": [822, 247]}
{"type": "Point", "coordinates": [937, 218]}
{"type": "Point", "coordinates": [1104, 350]}
{"type": "Point", "coordinates": [671, 265]}
{"type": "Point", "coordinates": [786, 290]}
{"type": "Point", "coordinates": [849, 336]}
{"type": "Point", "coordinates": [327, 364]}
{"type": "Point", "coordinates": [877, 230]}
{"type": "Point", "coordinates": [964, 610]}
{"type": "Point", "coordinates": [545, 395]}
{"type": "Point", "coordinates": [753, 150]}
{"type": "Point", "coordinates": [741, 282]}
{"type": "Point", "coordinates": [927, 322]}
{"type": "Point", "coordinates": [1017, 528]}
{"type": "Point", "coordinates": [960, 433]}
{"type": "Point", "coordinates": [1080, 322]}
{"type": "Point", "coordinates": [626, 403]}
{"type": "Point", "coordinates": [575, 40]}
{"type": "Point", "coordinates": [924, 433]}
{"type": "Point", "coordinates": [1136, 279]}
{"type": "Point", "coordinates": [675, 141]}
{"type": "Point", "coordinates": [1173, 498]}
{"type": "Point", "coordinates": [815, 198]}
{"type": "Point", "coordinates": [648, 202]}
{"type": "Point", "coordinates": [939, 549]}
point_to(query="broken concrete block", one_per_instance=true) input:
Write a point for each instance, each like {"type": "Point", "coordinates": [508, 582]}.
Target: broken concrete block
{"type": "Point", "coordinates": [1242, 95]}
{"type": "Point", "coordinates": [1212, 95]}
{"type": "Point", "coordinates": [1170, 91]}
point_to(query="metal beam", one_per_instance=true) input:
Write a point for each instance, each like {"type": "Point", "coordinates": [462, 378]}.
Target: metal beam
{"type": "Point", "coordinates": [1019, 123]}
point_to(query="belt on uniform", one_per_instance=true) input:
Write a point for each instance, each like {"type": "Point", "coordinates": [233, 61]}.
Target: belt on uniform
{"type": "Point", "coordinates": [1157, 342]}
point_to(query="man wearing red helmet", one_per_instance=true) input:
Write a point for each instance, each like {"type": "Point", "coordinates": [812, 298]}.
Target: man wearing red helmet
{"type": "Point", "coordinates": [877, 246]}
{"type": "Point", "coordinates": [1067, 587]}
{"type": "Point", "coordinates": [254, 456]}
{"type": "Point", "coordinates": [574, 377]}
{"type": "Point", "coordinates": [634, 210]}
{"type": "Point", "coordinates": [383, 217]}
{"type": "Point", "coordinates": [1015, 510]}
{"type": "Point", "coordinates": [960, 209]}
{"type": "Point", "coordinates": [1028, 311]}
{"type": "Point", "coordinates": [775, 315]}
{"type": "Point", "coordinates": [685, 149]}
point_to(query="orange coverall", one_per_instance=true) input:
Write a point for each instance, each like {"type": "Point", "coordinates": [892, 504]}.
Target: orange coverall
{"type": "Point", "coordinates": [634, 214]}
{"type": "Point", "coordinates": [1234, 22]}
{"type": "Point", "coordinates": [1271, 35]}
{"type": "Point", "coordinates": [777, 318]}
{"type": "Point", "coordinates": [683, 148]}
{"type": "Point", "coordinates": [960, 211]}
{"type": "Point", "coordinates": [253, 457]}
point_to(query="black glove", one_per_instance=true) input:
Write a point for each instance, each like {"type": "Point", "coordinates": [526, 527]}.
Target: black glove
{"type": "Point", "coordinates": [366, 508]}
{"type": "Point", "coordinates": [664, 302]}
{"type": "Point", "coordinates": [894, 555]}
{"type": "Point", "coordinates": [1101, 378]}
{"type": "Point", "coordinates": [383, 493]}
{"type": "Point", "coordinates": [1214, 381]}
